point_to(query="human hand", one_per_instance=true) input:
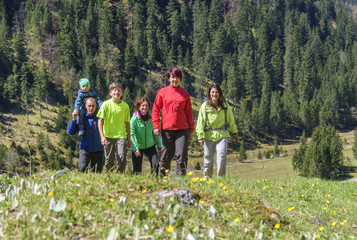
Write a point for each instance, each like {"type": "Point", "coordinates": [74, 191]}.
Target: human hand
{"type": "Point", "coordinates": [201, 143]}
{"type": "Point", "coordinates": [157, 132]}
{"type": "Point", "coordinates": [159, 151]}
{"type": "Point", "coordinates": [104, 141]}
{"type": "Point", "coordinates": [74, 114]}
{"type": "Point", "coordinates": [137, 153]}
{"type": "Point", "coordinates": [236, 138]}
{"type": "Point", "coordinates": [190, 134]}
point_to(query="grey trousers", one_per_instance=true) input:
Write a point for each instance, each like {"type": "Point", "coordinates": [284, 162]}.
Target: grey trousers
{"type": "Point", "coordinates": [115, 148]}
{"type": "Point", "coordinates": [210, 148]}
{"type": "Point", "coordinates": [174, 143]}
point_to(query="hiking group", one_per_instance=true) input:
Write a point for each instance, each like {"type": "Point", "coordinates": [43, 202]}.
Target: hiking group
{"type": "Point", "coordinates": [107, 129]}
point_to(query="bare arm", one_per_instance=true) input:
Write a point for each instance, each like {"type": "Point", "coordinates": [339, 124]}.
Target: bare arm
{"type": "Point", "coordinates": [101, 132]}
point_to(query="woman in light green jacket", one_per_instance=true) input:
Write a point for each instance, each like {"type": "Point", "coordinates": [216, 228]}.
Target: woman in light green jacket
{"type": "Point", "coordinates": [143, 139]}
{"type": "Point", "coordinates": [215, 121]}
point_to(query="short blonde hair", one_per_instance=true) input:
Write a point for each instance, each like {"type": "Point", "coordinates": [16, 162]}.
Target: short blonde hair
{"type": "Point", "coordinates": [115, 85]}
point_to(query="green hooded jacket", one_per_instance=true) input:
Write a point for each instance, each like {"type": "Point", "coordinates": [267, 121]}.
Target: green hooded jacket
{"type": "Point", "coordinates": [142, 133]}
{"type": "Point", "coordinates": [215, 120]}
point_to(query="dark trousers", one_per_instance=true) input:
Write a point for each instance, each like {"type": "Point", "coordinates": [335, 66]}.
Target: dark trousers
{"type": "Point", "coordinates": [94, 158]}
{"type": "Point", "coordinates": [174, 143]}
{"type": "Point", "coordinates": [151, 153]}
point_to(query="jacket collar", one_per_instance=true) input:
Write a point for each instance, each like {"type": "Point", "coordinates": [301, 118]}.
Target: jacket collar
{"type": "Point", "coordinates": [139, 116]}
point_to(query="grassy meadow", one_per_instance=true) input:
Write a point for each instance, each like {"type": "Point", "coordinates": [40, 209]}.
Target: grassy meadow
{"type": "Point", "coordinates": [114, 206]}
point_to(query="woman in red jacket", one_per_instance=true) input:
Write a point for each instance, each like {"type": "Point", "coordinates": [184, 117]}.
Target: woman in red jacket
{"type": "Point", "coordinates": [177, 123]}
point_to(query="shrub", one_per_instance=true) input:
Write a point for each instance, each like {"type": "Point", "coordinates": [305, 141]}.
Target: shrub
{"type": "Point", "coordinates": [242, 153]}
{"type": "Point", "coordinates": [323, 157]}
{"type": "Point", "coordinates": [267, 154]}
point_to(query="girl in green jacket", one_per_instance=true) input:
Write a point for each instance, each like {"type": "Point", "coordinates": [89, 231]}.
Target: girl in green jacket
{"type": "Point", "coordinates": [143, 139]}
{"type": "Point", "coordinates": [215, 119]}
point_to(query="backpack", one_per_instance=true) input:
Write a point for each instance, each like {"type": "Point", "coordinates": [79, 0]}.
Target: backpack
{"type": "Point", "coordinates": [223, 127]}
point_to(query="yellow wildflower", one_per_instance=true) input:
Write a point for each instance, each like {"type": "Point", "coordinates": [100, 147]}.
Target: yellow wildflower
{"type": "Point", "coordinates": [258, 181]}
{"type": "Point", "coordinates": [224, 187]}
{"type": "Point", "coordinates": [354, 194]}
{"type": "Point", "coordinates": [324, 208]}
{"type": "Point", "coordinates": [143, 191]}
{"type": "Point", "coordinates": [166, 171]}
{"type": "Point", "coordinates": [329, 195]}
{"type": "Point", "coordinates": [322, 228]}
{"type": "Point", "coordinates": [344, 220]}
{"type": "Point", "coordinates": [342, 223]}
{"type": "Point", "coordinates": [277, 226]}
{"type": "Point", "coordinates": [231, 191]}
{"type": "Point", "coordinates": [333, 224]}
{"type": "Point", "coordinates": [189, 173]}
{"type": "Point", "coordinates": [300, 211]}
{"type": "Point", "coordinates": [240, 188]}
{"type": "Point", "coordinates": [328, 202]}
{"type": "Point", "coordinates": [236, 220]}
{"type": "Point", "coordinates": [220, 184]}
{"type": "Point", "coordinates": [317, 190]}
{"type": "Point", "coordinates": [346, 209]}
{"type": "Point", "coordinates": [121, 196]}
{"type": "Point", "coordinates": [203, 179]}
{"type": "Point", "coordinates": [169, 228]}
{"type": "Point", "coordinates": [201, 202]}
{"type": "Point", "coordinates": [281, 188]}
{"type": "Point", "coordinates": [334, 212]}
{"type": "Point", "coordinates": [50, 194]}
{"type": "Point", "coordinates": [210, 181]}
{"type": "Point", "coordinates": [111, 200]}
{"type": "Point", "coordinates": [290, 208]}
{"type": "Point", "coordinates": [317, 236]}
{"type": "Point", "coordinates": [303, 195]}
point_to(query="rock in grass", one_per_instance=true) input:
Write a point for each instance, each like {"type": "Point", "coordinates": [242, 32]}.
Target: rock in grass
{"type": "Point", "coordinates": [270, 212]}
{"type": "Point", "coordinates": [317, 220]}
{"type": "Point", "coordinates": [181, 194]}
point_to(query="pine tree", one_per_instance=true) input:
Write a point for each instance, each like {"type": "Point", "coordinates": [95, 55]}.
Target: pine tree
{"type": "Point", "coordinates": [151, 26]}
{"type": "Point", "coordinates": [299, 155]}
{"type": "Point", "coordinates": [242, 153]}
{"type": "Point", "coordinates": [324, 157]}
{"type": "Point", "coordinates": [66, 38]}
{"type": "Point", "coordinates": [128, 99]}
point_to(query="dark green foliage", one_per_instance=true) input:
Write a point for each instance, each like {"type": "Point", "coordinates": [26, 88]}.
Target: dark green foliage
{"type": "Point", "coordinates": [242, 153]}
{"type": "Point", "coordinates": [323, 157]}
{"type": "Point", "coordinates": [267, 154]}
{"type": "Point", "coordinates": [61, 121]}
{"type": "Point", "coordinates": [298, 157]}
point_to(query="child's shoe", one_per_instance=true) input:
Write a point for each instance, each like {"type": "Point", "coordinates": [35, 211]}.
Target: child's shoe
{"type": "Point", "coordinates": [81, 133]}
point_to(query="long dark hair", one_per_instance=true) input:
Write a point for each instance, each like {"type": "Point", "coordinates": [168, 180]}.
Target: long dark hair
{"type": "Point", "coordinates": [220, 99]}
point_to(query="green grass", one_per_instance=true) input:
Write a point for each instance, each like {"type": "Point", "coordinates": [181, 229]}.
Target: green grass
{"type": "Point", "coordinates": [94, 210]}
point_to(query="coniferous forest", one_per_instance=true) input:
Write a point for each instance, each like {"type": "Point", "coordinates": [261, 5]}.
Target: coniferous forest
{"type": "Point", "coordinates": [286, 66]}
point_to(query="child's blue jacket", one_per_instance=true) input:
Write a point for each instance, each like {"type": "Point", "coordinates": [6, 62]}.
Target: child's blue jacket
{"type": "Point", "coordinates": [90, 141]}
